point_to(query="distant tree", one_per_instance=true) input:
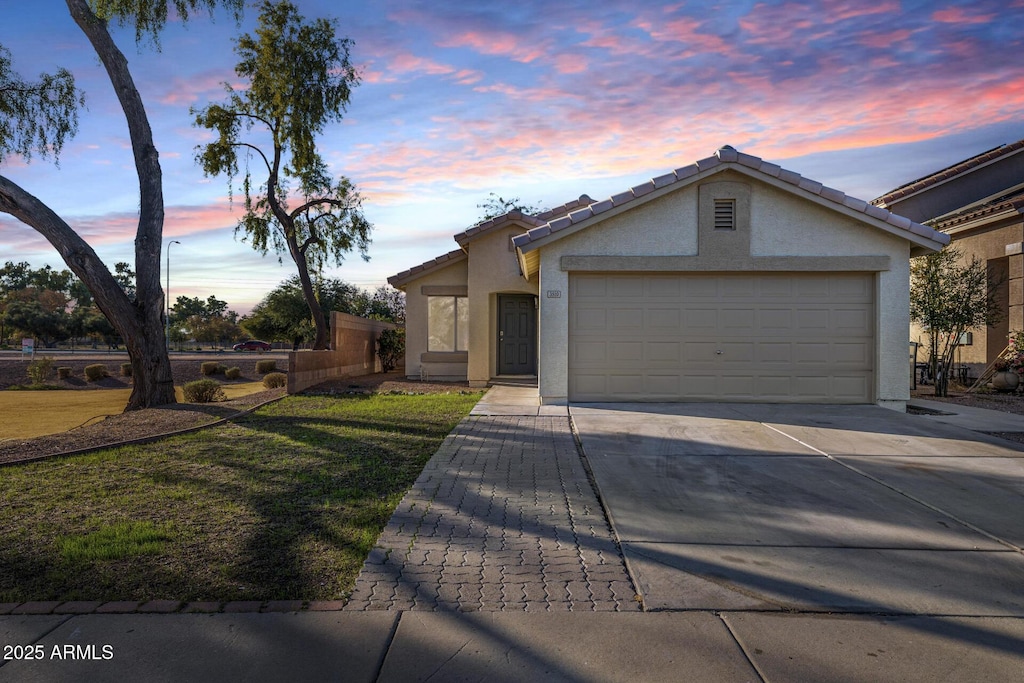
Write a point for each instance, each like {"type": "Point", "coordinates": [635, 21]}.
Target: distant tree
{"type": "Point", "coordinates": [949, 296]}
{"type": "Point", "coordinates": [207, 321]}
{"type": "Point", "coordinates": [298, 79]}
{"type": "Point", "coordinates": [38, 117]}
{"type": "Point", "coordinates": [495, 206]}
{"type": "Point", "coordinates": [39, 321]}
{"type": "Point", "coordinates": [283, 315]}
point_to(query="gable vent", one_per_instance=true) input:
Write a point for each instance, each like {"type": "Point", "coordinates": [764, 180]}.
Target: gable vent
{"type": "Point", "coordinates": [725, 214]}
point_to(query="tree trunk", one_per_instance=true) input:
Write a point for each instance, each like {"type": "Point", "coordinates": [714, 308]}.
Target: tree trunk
{"type": "Point", "coordinates": [322, 338]}
{"type": "Point", "coordinates": [140, 323]}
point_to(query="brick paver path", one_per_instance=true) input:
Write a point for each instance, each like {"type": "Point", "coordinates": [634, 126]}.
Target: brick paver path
{"type": "Point", "coordinates": [503, 517]}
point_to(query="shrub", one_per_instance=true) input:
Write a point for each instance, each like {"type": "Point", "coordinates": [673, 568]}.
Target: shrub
{"type": "Point", "coordinates": [40, 370]}
{"type": "Point", "coordinates": [126, 369]}
{"type": "Point", "coordinates": [265, 366]}
{"type": "Point", "coordinates": [94, 373]}
{"type": "Point", "coordinates": [203, 391]}
{"type": "Point", "coordinates": [275, 380]}
{"type": "Point", "coordinates": [63, 373]}
{"type": "Point", "coordinates": [391, 348]}
{"type": "Point", "coordinates": [233, 373]}
{"type": "Point", "coordinates": [210, 367]}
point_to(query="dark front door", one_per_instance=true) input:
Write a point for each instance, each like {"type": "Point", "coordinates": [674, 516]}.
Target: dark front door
{"type": "Point", "coordinates": [517, 334]}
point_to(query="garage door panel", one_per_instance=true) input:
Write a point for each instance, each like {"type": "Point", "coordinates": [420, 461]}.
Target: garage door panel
{"type": "Point", "coordinates": [781, 337]}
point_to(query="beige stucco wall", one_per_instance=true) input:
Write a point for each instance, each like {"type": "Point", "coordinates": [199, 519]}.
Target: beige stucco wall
{"type": "Point", "coordinates": [454, 275]}
{"type": "Point", "coordinates": [990, 244]}
{"type": "Point", "coordinates": [781, 225]}
{"type": "Point", "coordinates": [353, 353]}
{"type": "Point", "coordinates": [493, 270]}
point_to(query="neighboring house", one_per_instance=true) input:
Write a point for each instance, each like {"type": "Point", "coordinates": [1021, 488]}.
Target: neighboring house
{"type": "Point", "coordinates": [731, 279]}
{"type": "Point", "coordinates": [979, 203]}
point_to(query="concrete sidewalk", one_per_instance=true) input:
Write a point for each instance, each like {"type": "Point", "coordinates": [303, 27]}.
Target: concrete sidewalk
{"type": "Point", "coordinates": [968, 417]}
{"type": "Point", "coordinates": [500, 564]}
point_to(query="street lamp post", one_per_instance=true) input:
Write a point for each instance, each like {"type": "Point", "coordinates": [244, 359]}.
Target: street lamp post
{"type": "Point", "coordinates": [167, 297]}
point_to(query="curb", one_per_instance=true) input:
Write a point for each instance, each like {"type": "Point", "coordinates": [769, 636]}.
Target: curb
{"type": "Point", "coordinates": [80, 607]}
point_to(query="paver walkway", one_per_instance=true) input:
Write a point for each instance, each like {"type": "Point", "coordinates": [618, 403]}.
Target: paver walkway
{"type": "Point", "coordinates": [502, 518]}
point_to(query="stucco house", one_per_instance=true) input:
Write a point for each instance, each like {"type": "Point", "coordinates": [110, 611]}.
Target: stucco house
{"type": "Point", "coordinates": [730, 279]}
{"type": "Point", "coordinates": [979, 204]}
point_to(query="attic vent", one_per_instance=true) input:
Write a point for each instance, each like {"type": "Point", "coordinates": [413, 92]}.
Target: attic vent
{"type": "Point", "coordinates": [725, 214]}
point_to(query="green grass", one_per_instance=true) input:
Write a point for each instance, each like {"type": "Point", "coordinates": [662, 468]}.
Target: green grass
{"type": "Point", "coordinates": [282, 504]}
{"type": "Point", "coordinates": [114, 542]}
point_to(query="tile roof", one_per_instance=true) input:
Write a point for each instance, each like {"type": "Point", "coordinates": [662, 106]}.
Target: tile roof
{"type": "Point", "coordinates": [442, 261]}
{"type": "Point", "coordinates": [956, 169]}
{"type": "Point", "coordinates": [517, 215]}
{"type": "Point", "coordinates": [1006, 204]}
{"type": "Point", "coordinates": [728, 157]}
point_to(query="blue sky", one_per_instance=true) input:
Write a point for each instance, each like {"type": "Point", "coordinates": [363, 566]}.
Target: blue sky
{"type": "Point", "coordinates": [543, 100]}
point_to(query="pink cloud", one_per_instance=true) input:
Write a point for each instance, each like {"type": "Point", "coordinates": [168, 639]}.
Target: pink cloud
{"type": "Point", "coordinates": [518, 48]}
{"type": "Point", "coordinates": [571, 63]}
{"type": "Point", "coordinates": [957, 15]}
{"type": "Point", "coordinates": [884, 40]}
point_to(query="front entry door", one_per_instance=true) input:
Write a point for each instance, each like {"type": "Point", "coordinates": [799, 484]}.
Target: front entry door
{"type": "Point", "coordinates": [517, 334]}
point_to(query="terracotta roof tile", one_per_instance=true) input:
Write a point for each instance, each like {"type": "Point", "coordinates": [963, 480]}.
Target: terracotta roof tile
{"type": "Point", "coordinates": [663, 180]}
{"type": "Point", "coordinates": [423, 268]}
{"type": "Point", "coordinates": [581, 215]}
{"type": "Point", "coordinates": [1011, 201]}
{"type": "Point", "coordinates": [956, 169]}
{"type": "Point", "coordinates": [728, 155]}
{"type": "Point", "coordinates": [790, 177]}
{"type": "Point", "coordinates": [812, 186]}
{"type": "Point", "coordinates": [832, 194]}
{"type": "Point", "coordinates": [686, 171]}
{"type": "Point", "coordinates": [622, 198]}
{"type": "Point", "coordinates": [708, 163]}
{"type": "Point", "coordinates": [641, 190]}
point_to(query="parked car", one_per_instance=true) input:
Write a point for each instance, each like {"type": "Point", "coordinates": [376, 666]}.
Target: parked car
{"type": "Point", "coordinates": [252, 345]}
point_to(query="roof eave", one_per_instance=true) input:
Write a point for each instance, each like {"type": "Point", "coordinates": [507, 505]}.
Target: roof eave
{"type": "Point", "coordinates": [525, 244]}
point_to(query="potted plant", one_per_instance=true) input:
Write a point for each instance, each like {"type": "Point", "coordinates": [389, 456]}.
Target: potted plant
{"type": "Point", "coordinates": [1004, 378]}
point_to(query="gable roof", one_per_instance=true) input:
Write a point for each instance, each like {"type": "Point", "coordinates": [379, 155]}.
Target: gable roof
{"type": "Point", "coordinates": [957, 169]}
{"type": "Point", "coordinates": [443, 261]}
{"type": "Point", "coordinates": [525, 220]}
{"type": "Point", "coordinates": [727, 158]}
{"type": "Point", "coordinates": [1008, 205]}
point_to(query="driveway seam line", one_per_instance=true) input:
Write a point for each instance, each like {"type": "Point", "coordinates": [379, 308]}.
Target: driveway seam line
{"type": "Point", "coordinates": [746, 655]}
{"type": "Point", "coordinates": [604, 509]}
{"type": "Point", "coordinates": [903, 493]}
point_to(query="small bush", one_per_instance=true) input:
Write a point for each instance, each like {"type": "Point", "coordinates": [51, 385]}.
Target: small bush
{"type": "Point", "coordinates": [275, 380]}
{"type": "Point", "coordinates": [210, 368]}
{"type": "Point", "coordinates": [391, 348]}
{"type": "Point", "coordinates": [233, 373]}
{"type": "Point", "coordinates": [126, 369]}
{"type": "Point", "coordinates": [265, 366]}
{"type": "Point", "coordinates": [40, 370]}
{"type": "Point", "coordinates": [94, 373]}
{"type": "Point", "coordinates": [63, 373]}
{"type": "Point", "coordinates": [203, 391]}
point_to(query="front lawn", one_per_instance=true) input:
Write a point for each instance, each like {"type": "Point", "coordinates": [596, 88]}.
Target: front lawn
{"type": "Point", "coordinates": [281, 504]}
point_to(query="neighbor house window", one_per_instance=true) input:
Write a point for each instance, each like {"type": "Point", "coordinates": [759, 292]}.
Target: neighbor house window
{"type": "Point", "coordinates": [448, 323]}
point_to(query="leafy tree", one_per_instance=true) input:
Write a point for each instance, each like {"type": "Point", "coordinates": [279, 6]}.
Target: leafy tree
{"type": "Point", "coordinates": [949, 296]}
{"type": "Point", "coordinates": [38, 321]}
{"type": "Point", "coordinates": [283, 315]}
{"type": "Point", "coordinates": [39, 116]}
{"type": "Point", "coordinates": [495, 206]}
{"type": "Point", "coordinates": [299, 79]}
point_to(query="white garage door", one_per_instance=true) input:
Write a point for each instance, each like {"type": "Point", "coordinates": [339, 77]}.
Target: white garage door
{"type": "Point", "coordinates": [792, 337]}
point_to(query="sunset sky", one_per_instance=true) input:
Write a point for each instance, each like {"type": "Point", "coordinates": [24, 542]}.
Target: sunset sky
{"type": "Point", "coordinates": [537, 99]}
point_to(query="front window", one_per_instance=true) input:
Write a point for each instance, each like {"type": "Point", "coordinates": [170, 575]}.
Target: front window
{"type": "Point", "coordinates": [448, 323]}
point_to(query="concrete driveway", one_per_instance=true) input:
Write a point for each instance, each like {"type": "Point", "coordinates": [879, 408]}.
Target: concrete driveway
{"type": "Point", "coordinates": [849, 509]}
